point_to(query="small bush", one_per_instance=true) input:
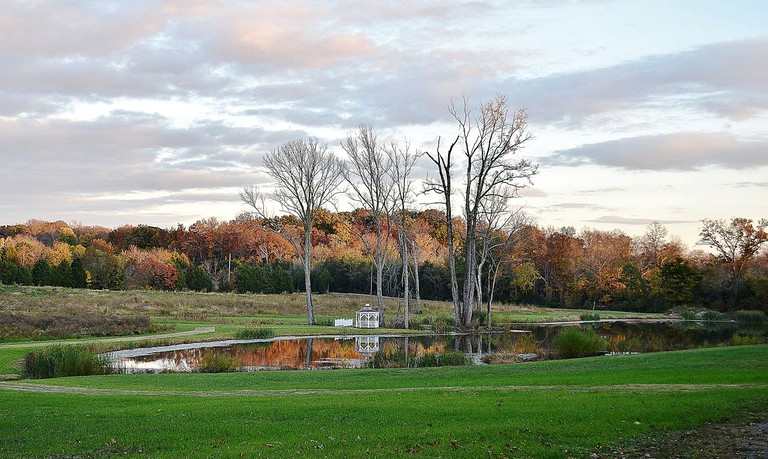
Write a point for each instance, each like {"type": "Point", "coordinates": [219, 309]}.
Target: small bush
{"type": "Point", "coordinates": [443, 324]}
{"type": "Point", "coordinates": [501, 357]}
{"type": "Point", "coordinates": [590, 316]}
{"type": "Point", "coordinates": [453, 359]}
{"type": "Point", "coordinates": [479, 318]}
{"type": "Point", "coordinates": [398, 359]}
{"type": "Point", "coordinates": [324, 321]}
{"type": "Point", "coordinates": [59, 361]}
{"type": "Point", "coordinates": [713, 316]}
{"type": "Point", "coordinates": [219, 363]}
{"type": "Point", "coordinates": [687, 314]}
{"type": "Point", "coordinates": [745, 340]}
{"type": "Point", "coordinates": [574, 342]}
{"type": "Point", "coordinates": [255, 333]}
{"type": "Point", "coordinates": [751, 317]}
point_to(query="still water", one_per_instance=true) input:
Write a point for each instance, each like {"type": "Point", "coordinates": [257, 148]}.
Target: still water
{"type": "Point", "coordinates": [532, 342]}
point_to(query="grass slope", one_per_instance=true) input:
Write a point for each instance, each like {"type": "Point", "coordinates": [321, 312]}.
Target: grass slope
{"type": "Point", "coordinates": [417, 413]}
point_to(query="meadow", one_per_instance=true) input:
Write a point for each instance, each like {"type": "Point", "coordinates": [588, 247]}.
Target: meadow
{"type": "Point", "coordinates": [561, 408]}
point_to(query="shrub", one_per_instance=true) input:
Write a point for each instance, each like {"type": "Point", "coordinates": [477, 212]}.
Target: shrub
{"type": "Point", "coordinates": [213, 362]}
{"type": "Point", "coordinates": [453, 359]}
{"type": "Point", "coordinates": [501, 357]}
{"type": "Point", "coordinates": [255, 333]}
{"type": "Point", "coordinates": [590, 316]}
{"type": "Point", "coordinates": [397, 359]}
{"type": "Point", "coordinates": [58, 361]}
{"type": "Point", "coordinates": [751, 317]}
{"type": "Point", "coordinates": [479, 318]}
{"type": "Point", "coordinates": [574, 342]}
{"type": "Point", "coordinates": [744, 340]}
{"type": "Point", "coordinates": [324, 321]}
{"type": "Point", "coordinates": [687, 314]}
{"type": "Point", "coordinates": [713, 316]}
{"type": "Point", "coordinates": [443, 324]}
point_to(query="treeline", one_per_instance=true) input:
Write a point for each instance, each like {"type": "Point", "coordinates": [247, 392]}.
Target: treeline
{"type": "Point", "coordinates": [544, 266]}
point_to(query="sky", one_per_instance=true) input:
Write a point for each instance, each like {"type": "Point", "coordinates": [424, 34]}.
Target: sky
{"type": "Point", "coordinates": [160, 112]}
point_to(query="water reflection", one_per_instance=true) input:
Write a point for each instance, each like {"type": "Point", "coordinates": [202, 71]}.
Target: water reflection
{"type": "Point", "coordinates": [533, 342]}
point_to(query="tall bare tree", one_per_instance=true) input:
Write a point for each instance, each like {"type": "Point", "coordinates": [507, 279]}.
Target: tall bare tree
{"type": "Point", "coordinates": [369, 178]}
{"type": "Point", "coordinates": [488, 139]}
{"type": "Point", "coordinates": [402, 160]}
{"type": "Point", "coordinates": [442, 185]}
{"type": "Point", "coordinates": [307, 176]}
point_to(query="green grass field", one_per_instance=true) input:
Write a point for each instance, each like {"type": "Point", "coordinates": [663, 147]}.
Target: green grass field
{"type": "Point", "coordinates": [546, 409]}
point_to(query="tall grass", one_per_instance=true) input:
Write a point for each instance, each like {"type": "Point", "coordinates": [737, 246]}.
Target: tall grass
{"type": "Point", "coordinates": [58, 361]}
{"type": "Point", "coordinates": [574, 342]}
{"type": "Point", "coordinates": [399, 359]}
{"type": "Point", "coordinates": [751, 317]}
{"type": "Point", "coordinates": [213, 362]}
{"type": "Point", "coordinates": [255, 333]}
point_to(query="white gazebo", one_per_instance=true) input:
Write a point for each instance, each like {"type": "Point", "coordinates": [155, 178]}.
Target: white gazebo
{"type": "Point", "coordinates": [367, 317]}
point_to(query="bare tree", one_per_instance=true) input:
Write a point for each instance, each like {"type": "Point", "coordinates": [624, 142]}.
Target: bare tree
{"type": "Point", "coordinates": [307, 177]}
{"type": "Point", "coordinates": [402, 162]}
{"type": "Point", "coordinates": [368, 174]}
{"type": "Point", "coordinates": [507, 234]}
{"type": "Point", "coordinates": [443, 186]}
{"type": "Point", "coordinates": [488, 140]}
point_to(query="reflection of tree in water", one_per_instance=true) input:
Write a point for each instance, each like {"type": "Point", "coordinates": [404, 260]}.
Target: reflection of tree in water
{"type": "Point", "coordinates": [323, 352]}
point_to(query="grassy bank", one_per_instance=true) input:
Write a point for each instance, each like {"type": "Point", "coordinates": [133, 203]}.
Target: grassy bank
{"type": "Point", "coordinates": [547, 409]}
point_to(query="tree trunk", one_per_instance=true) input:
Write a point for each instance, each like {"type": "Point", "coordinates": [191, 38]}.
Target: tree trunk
{"type": "Point", "coordinates": [469, 278]}
{"type": "Point", "coordinates": [452, 266]}
{"type": "Point", "coordinates": [416, 282]}
{"type": "Point", "coordinates": [380, 294]}
{"type": "Point", "coordinates": [307, 274]}
{"type": "Point", "coordinates": [406, 279]}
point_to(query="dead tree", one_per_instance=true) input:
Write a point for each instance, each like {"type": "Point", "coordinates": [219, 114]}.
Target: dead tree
{"type": "Point", "coordinates": [402, 162]}
{"type": "Point", "coordinates": [368, 175]}
{"type": "Point", "coordinates": [488, 140]}
{"type": "Point", "coordinates": [307, 177]}
{"type": "Point", "coordinates": [443, 186]}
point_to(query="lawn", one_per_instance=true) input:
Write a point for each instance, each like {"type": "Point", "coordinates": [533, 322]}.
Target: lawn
{"type": "Point", "coordinates": [546, 409]}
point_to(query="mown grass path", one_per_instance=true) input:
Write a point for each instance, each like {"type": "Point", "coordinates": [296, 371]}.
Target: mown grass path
{"type": "Point", "coordinates": [119, 339]}
{"type": "Point", "coordinates": [50, 389]}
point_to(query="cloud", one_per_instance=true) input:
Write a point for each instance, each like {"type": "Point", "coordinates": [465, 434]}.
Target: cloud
{"type": "Point", "coordinates": [618, 220]}
{"type": "Point", "coordinates": [725, 79]}
{"type": "Point", "coordinates": [678, 151]}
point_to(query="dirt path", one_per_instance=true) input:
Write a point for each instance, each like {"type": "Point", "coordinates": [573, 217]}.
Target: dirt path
{"type": "Point", "coordinates": [745, 437]}
{"type": "Point", "coordinates": [120, 339]}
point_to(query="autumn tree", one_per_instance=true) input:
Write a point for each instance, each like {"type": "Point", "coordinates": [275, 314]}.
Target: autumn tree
{"type": "Point", "coordinates": [735, 244]}
{"type": "Point", "coordinates": [601, 263]}
{"type": "Point", "coordinates": [502, 234]}
{"type": "Point", "coordinates": [307, 177]}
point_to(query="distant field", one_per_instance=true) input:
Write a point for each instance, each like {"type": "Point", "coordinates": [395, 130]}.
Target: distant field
{"type": "Point", "coordinates": [282, 309]}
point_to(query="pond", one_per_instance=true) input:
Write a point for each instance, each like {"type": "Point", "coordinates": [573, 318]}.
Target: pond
{"type": "Point", "coordinates": [527, 342]}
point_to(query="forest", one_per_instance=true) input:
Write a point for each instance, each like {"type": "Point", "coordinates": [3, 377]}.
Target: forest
{"type": "Point", "coordinates": [529, 264]}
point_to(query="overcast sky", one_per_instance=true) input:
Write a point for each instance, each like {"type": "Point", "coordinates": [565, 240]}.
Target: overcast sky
{"type": "Point", "coordinates": [159, 112]}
